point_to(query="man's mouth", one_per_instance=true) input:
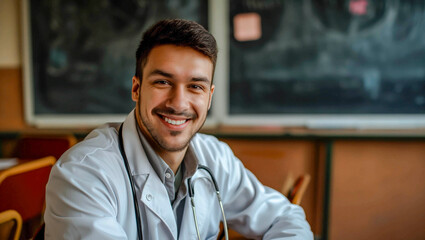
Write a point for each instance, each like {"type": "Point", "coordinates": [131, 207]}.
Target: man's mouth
{"type": "Point", "coordinates": [174, 118]}
{"type": "Point", "coordinates": [174, 122]}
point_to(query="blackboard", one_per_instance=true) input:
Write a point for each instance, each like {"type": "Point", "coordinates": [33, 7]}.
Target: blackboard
{"type": "Point", "coordinates": [82, 53]}
{"type": "Point", "coordinates": [333, 57]}
{"type": "Point", "coordinates": [315, 59]}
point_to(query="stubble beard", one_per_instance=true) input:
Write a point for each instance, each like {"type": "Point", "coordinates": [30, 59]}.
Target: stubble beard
{"type": "Point", "coordinates": [159, 140]}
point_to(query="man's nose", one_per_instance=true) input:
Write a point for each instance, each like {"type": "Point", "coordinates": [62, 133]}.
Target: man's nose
{"type": "Point", "coordinates": [178, 99]}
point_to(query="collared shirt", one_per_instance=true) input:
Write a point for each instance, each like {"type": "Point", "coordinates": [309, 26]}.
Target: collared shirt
{"type": "Point", "coordinates": [185, 171]}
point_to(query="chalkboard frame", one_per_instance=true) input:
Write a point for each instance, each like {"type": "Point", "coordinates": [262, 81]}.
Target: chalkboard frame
{"type": "Point", "coordinates": [314, 120]}
{"type": "Point", "coordinates": [218, 13]}
{"type": "Point", "coordinates": [77, 120]}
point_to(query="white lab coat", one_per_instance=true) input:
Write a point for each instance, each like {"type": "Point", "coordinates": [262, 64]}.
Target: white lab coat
{"type": "Point", "coordinates": [89, 196]}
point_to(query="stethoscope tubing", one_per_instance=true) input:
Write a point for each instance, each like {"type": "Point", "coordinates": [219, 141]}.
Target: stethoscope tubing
{"type": "Point", "coordinates": [190, 190]}
{"type": "Point", "coordinates": [192, 201]}
{"type": "Point", "coordinates": [133, 190]}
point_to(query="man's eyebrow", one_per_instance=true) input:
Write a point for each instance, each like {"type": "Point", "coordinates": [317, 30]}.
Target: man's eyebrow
{"type": "Point", "coordinates": [170, 75]}
{"type": "Point", "coordinates": [160, 72]}
{"type": "Point", "coordinates": [200, 79]}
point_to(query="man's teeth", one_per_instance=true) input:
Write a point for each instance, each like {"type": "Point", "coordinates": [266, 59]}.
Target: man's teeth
{"type": "Point", "coordinates": [174, 122]}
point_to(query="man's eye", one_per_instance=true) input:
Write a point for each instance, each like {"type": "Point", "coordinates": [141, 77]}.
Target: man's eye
{"type": "Point", "coordinates": [197, 87]}
{"type": "Point", "coordinates": [161, 82]}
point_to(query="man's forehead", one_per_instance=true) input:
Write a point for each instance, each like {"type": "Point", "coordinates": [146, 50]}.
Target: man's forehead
{"type": "Point", "coordinates": [170, 59]}
{"type": "Point", "coordinates": [172, 47]}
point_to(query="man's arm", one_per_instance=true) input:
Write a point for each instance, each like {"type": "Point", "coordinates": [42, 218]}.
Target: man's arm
{"type": "Point", "coordinates": [81, 203]}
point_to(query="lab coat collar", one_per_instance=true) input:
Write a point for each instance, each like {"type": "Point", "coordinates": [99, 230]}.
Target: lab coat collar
{"type": "Point", "coordinates": [136, 155]}
{"type": "Point", "coordinates": [153, 193]}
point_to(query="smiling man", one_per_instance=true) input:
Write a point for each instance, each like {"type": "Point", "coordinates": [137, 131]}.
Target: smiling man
{"type": "Point", "coordinates": [173, 99]}
{"type": "Point", "coordinates": [154, 176]}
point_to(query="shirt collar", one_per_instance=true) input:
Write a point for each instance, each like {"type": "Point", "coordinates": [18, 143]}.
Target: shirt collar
{"type": "Point", "coordinates": [190, 163]}
{"type": "Point", "coordinates": [155, 160]}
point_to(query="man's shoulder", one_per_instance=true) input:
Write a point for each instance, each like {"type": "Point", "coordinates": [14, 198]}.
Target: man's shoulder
{"type": "Point", "coordinates": [207, 140]}
{"type": "Point", "coordinates": [209, 145]}
{"type": "Point", "coordinates": [99, 143]}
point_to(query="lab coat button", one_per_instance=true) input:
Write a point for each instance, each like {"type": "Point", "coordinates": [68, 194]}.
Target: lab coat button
{"type": "Point", "coordinates": [149, 197]}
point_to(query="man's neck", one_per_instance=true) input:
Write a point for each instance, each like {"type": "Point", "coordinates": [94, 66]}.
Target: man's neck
{"type": "Point", "coordinates": [173, 159]}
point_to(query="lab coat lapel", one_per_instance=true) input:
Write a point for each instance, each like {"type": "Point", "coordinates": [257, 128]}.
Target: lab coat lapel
{"type": "Point", "coordinates": [153, 193]}
{"type": "Point", "coordinates": [136, 155]}
{"type": "Point", "coordinates": [155, 197]}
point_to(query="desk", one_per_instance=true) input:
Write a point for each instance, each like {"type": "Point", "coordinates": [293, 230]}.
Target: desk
{"type": "Point", "coordinates": [9, 163]}
{"type": "Point", "coordinates": [6, 163]}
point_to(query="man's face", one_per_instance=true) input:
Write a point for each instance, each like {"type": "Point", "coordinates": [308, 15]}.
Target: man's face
{"type": "Point", "coordinates": [174, 96]}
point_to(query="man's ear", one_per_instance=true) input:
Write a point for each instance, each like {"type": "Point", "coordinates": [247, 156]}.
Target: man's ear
{"type": "Point", "coordinates": [135, 89]}
{"type": "Point", "coordinates": [211, 94]}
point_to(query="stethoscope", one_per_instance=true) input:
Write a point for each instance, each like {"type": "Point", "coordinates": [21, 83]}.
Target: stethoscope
{"type": "Point", "coordinates": [190, 190]}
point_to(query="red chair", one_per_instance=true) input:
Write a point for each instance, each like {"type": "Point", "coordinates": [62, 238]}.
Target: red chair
{"type": "Point", "coordinates": [10, 225]}
{"type": "Point", "coordinates": [33, 147]}
{"type": "Point", "coordinates": [23, 188]}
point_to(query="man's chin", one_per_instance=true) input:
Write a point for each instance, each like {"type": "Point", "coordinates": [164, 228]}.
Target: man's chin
{"type": "Point", "coordinates": [174, 148]}
{"type": "Point", "coordinates": [174, 144]}
{"type": "Point", "coordinates": [175, 133]}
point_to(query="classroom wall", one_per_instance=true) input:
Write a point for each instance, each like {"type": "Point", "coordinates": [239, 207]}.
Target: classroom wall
{"type": "Point", "coordinates": [9, 34]}
{"type": "Point", "coordinates": [377, 188]}
{"type": "Point", "coordinates": [11, 98]}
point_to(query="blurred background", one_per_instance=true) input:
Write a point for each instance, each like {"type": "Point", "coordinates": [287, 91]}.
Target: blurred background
{"type": "Point", "coordinates": [334, 89]}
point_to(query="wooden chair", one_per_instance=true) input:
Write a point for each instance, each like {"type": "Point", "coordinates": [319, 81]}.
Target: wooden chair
{"type": "Point", "coordinates": [294, 189]}
{"type": "Point", "coordinates": [35, 146]}
{"type": "Point", "coordinates": [22, 188]}
{"type": "Point", "coordinates": [10, 225]}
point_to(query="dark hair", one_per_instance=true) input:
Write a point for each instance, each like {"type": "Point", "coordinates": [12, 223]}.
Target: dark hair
{"type": "Point", "coordinates": [178, 32]}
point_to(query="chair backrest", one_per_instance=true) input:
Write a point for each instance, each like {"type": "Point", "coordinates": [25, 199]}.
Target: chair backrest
{"type": "Point", "coordinates": [33, 147]}
{"type": "Point", "coordinates": [23, 187]}
{"type": "Point", "coordinates": [10, 225]}
{"type": "Point", "coordinates": [294, 189]}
